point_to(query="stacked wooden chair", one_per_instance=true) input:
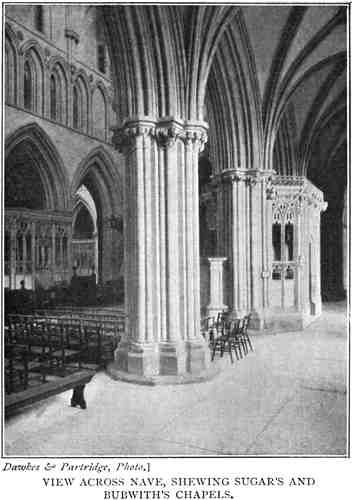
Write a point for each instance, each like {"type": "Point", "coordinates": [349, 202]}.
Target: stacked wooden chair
{"type": "Point", "coordinates": [227, 335]}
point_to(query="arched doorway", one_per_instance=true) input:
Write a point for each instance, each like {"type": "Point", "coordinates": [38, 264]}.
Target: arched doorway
{"type": "Point", "coordinates": [85, 235]}
{"type": "Point", "coordinates": [97, 221]}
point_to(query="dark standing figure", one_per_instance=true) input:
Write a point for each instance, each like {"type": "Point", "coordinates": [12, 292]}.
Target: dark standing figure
{"type": "Point", "coordinates": [74, 286]}
{"type": "Point", "coordinates": [24, 302]}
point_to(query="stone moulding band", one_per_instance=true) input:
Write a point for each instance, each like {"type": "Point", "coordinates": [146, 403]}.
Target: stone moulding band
{"type": "Point", "coordinates": [251, 177]}
{"type": "Point", "coordinates": [165, 131]}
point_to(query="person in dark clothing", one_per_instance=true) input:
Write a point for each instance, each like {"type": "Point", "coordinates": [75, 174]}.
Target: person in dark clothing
{"type": "Point", "coordinates": [74, 286]}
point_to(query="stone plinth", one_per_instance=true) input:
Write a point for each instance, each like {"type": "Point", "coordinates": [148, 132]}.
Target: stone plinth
{"type": "Point", "coordinates": [163, 363]}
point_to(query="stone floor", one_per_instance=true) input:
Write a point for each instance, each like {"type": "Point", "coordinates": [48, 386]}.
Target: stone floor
{"type": "Point", "coordinates": [288, 397]}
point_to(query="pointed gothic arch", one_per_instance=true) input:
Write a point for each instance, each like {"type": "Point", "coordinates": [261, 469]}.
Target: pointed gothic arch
{"type": "Point", "coordinates": [35, 143]}
{"type": "Point", "coordinates": [33, 79]}
{"type": "Point", "coordinates": [80, 111]}
{"type": "Point", "coordinates": [58, 85]}
{"type": "Point", "coordinates": [11, 66]}
{"type": "Point", "coordinates": [98, 173]}
{"type": "Point", "coordinates": [99, 111]}
{"type": "Point", "coordinates": [101, 165]}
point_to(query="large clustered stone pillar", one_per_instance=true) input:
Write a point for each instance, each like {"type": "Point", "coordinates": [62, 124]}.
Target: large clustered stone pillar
{"type": "Point", "coordinates": [161, 231]}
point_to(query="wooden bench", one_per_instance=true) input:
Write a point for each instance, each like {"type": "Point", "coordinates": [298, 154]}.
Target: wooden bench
{"type": "Point", "coordinates": [75, 381]}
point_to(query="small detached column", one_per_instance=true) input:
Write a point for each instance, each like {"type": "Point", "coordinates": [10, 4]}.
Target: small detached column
{"type": "Point", "coordinates": [216, 271]}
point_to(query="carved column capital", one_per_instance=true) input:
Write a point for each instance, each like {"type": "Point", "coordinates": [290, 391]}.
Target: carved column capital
{"type": "Point", "coordinates": [167, 132]}
{"type": "Point", "coordinates": [124, 138]}
{"type": "Point", "coordinates": [252, 180]}
{"type": "Point", "coordinates": [232, 175]}
{"type": "Point", "coordinates": [195, 133]}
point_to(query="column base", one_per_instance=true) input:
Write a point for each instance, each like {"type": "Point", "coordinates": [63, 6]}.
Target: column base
{"type": "Point", "coordinates": [316, 308]}
{"type": "Point", "coordinates": [257, 321]}
{"type": "Point", "coordinates": [285, 321]}
{"type": "Point", "coordinates": [163, 363]}
{"type": "Point", "coordinates": [140, 359]}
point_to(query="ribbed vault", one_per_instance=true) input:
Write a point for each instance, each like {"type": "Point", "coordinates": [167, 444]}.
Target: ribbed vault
{"type": "Point", "coordinates": [162, 56]}
{"type": "Point", "coordinates": [233, 103]}
{"type": "Point", "coordinates": [308, 43]}
{"type": "Point", "coordinates": [237, 67]}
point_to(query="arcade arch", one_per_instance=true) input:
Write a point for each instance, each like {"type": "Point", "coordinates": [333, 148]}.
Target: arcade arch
{"type": "Point", "coordinates": [101, 184]}
{"type": "Point", "coordinates": [37, 220]}
{"type": "Point", "coordinates": [85, 234]}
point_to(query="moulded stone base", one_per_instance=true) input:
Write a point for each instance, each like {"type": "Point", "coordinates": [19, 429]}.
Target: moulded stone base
{"type": "Point", "coordinates": [186, 378]}
{"type": "Point", "coordinates": [162, 363]}
{"type": "Point", "coordinates": [257, 321]}
{"type": "Point", "coordinates": [316, 308]}
{"type": "Point", "coordinates": [198, 356]}
{"type": "Point", "coordinates": [287, 321]}
{"type": "Point", "coordinates": [172, 358]}
{"type": "Point", "coordinates": [136, 358]}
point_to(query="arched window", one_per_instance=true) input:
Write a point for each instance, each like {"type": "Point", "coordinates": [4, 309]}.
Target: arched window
{"type": "Point", "coordinates": [99, 114]}
{"type": "Point", "coordinates": [58, 94]}
{"type": "Point", "coordinates": [53, 98]}
{"type": "Point", "coordinates": [10, 70]}
{"type": "Point", "coordinates": [76, 121]}
{"type": "Point", "coordinates": [33, 81]}
{"type": "Point", "coordinates": [39, 18]}
{"type": "Point", "coordinates": [80, 105]}
{"type": "Point", "coordinates": [27, 87]}
{"type": "Point", "coordinates": [7, 75]}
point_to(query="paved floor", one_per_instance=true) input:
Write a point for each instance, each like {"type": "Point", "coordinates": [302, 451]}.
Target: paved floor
{"type": "Point", "coordinates": [288, 397]}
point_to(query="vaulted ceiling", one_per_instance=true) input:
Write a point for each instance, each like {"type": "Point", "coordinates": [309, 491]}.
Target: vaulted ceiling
{"type": "Point", "coordinates": [270, 80]}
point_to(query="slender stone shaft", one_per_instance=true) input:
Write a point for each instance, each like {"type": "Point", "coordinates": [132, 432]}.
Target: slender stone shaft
{"type": "Point", "coordinates": [216, 270]}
